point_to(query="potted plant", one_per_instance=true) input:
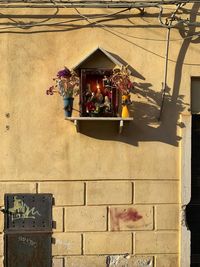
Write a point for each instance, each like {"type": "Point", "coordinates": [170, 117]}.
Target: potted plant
{"type": "Point", "coordinates": [66, 85]}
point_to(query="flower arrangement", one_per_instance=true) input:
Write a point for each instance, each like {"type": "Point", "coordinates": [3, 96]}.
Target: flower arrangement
{"type": "Point", "coordinates": [66, 85]}
{"type": "Point", "coordinates": [98, 101]}
{"type": "Point", "coordinates": [121, 80]}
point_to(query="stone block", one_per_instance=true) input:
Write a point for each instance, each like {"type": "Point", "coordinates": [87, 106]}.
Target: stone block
{"type": "Point", "coordinates": [66, 244]}
{"type": "Point", "coordinates": [167, 261]}
{"type": "Point", "coordinates": [109, 261]}
{"type": "Point", "coordinates": [156, 192]}
{"type": "Point", "coordinates": [13, 187]}
{"type": "Point", "coordinates": [130, 261]}
{"type": "Point", "coordinates": [85, 218]}
{"type": "Point", "coordinates": [109, 193]}
{"type": "Point", "coordinates": [85, 261]}
{"type": "Point", "coordinates": [108, 243]}
{"type": "Point", "coordinates": [65, 193]}
{"type": "Point", "coordinates": [134, 217]}
{"type": "Point", "coordinates": [167, 217]}
{"type": "Point", "coordinates": [156, 242]}
{"type": "Point", "coordinates": [58, 262]}
{"type": "Point", "coordinates": [57, 219]}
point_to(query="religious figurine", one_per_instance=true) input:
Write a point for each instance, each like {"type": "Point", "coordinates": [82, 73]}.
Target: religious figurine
{"type": "Point", "coordinates": [106, 82]}
{"type": "Point", "coordinates": [98, 102]}
{"type": "Point", "coordinates": [99, 96]}
{"type": "Point", "coordinates": [107, 104]}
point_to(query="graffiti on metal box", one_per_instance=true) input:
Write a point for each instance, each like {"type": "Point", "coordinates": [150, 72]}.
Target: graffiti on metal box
{"type": "Point", "coordinates": [27, 241]}
{"type": "Point", "coordinates": [22, 211]}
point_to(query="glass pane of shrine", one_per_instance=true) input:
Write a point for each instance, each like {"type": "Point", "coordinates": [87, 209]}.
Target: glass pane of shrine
{"type": "Point", "coordinates": [98, 98]}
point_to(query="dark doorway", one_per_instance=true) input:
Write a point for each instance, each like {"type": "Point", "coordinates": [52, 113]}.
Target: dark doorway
{"type": "Point", "coordinates": [193, 209]}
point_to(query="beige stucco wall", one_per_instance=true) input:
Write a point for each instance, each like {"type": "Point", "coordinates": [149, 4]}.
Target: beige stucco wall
{"type": "Point", "coordinates": [139, 169]}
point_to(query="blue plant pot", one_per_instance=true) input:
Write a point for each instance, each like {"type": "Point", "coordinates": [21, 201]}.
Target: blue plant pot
{"type": "Point", "coordinates": [68, 106]}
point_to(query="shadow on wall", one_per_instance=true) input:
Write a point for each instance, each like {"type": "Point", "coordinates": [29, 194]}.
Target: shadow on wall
{"type": "Point", "coordinates": [72, 22]}
{"type": "Point", "coordinates": [145, 126]}
{"type": "Point", "coordinates": [185, 33]}
{"type": "Point", "coordinates": [133, 71]}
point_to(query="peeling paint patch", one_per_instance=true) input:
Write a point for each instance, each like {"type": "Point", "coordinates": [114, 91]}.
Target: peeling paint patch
{"type": "Point", "coordinates": [144, 263]}
{"type": "Point", "coordinates": [128, 261]}
{"type": "Point", "coordinates": [117, 260]}
{"type": "Point", "coordinates": [62, 243]}
{"type": "Point", "coordinates": [183, 216]}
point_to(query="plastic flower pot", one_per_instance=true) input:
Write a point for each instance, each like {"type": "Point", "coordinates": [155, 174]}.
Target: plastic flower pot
{"type": "Point", "coordinates": [125, 102]}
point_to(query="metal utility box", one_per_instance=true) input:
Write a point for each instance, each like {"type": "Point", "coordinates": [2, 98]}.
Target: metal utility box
{"type": "Point", "coordinates": [28, 230]}
{"type": "Point", "coordinates": [28, 250]}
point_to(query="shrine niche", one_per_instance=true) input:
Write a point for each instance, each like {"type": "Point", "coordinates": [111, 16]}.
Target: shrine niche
{"type": "Point", "coordinates": [97, 97]}
{"type": "Point", "coordinates": [101, 93]}
{"type": "Point", "coordinates": [101, 83]}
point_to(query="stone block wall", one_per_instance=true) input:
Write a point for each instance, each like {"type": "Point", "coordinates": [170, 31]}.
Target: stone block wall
{"type": "Point", "coordinates": [109, 223]}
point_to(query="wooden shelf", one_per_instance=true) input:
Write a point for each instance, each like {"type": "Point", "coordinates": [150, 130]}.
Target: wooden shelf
{"type": "Point", "coordinates": [121, 121]}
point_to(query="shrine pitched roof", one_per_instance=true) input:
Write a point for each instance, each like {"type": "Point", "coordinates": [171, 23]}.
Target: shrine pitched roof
{"type": "Point", "coordinates": [105, 53]}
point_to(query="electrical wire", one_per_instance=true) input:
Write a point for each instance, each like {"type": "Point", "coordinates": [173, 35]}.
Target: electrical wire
{"type": "Point", "coordinates": [65, 23]}
{"type": "Point", "coordinates": [18, 24]}
{"type": "Point", "coordinates": [112, 32]}
{"type": "Point", "coordinates": [164, 25]}
{"type": "Point", "coordinates": [23, 25]}
{"type": "Point", "coordinates": [93, 4]}
{"type": "Point", "coordinates": [157, 40]}
{"type": "Point", "coordinates": [181, 39]}
{"type": "Point", "coordinates": [26, 25]}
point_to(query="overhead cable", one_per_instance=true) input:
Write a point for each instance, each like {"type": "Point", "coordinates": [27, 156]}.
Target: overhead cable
{"type": "Point", "coordinates": [91, 4]}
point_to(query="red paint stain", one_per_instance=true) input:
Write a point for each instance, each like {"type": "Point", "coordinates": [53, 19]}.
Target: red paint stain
{"type": "Point", "coordinates": [129, 215]}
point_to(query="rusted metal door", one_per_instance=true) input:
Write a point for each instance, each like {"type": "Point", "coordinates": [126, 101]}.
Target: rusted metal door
{"type": "Point", "coordinates": [28, 230]}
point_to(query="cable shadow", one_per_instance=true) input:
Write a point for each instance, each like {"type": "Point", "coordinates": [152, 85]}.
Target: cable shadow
{"type": "Point", "coordinates": [76, 16]}
{"type": "Point", "coordinates": [96, 24]}
{"type": "Point", "coordinates": [133, 71]}
{"type": "Point", "coordinates": [184, 32]}
{"type": "Point", "coordinates": [146, 106]}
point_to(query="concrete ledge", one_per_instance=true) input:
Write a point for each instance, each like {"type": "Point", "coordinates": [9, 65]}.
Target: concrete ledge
{"type": "Point", "coordinates": [118, 119]}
